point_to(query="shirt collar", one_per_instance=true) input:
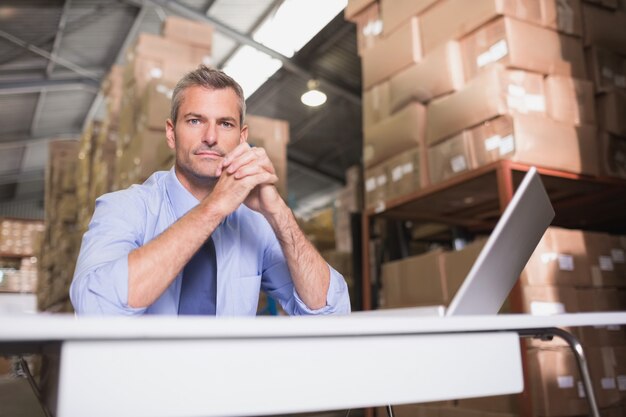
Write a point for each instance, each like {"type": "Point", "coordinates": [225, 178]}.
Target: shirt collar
{"type": "Point", "coordinates": [180, 198]}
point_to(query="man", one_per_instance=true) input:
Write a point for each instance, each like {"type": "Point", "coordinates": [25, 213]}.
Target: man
{"type": "Point", "coordinates": [207, 236]}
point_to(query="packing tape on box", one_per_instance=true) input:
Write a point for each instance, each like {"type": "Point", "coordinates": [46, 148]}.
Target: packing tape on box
{"type": "Point", "coordinates": [544, 308]}
{"type": "Point", "coordinates": [565, 381]}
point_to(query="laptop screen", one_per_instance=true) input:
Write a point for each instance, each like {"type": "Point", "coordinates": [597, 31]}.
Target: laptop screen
{"type": "Point", "coordinates": [507, 250]}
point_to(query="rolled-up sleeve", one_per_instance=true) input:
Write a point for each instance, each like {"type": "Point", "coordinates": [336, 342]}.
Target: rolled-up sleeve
{"type": "Point", "coordinates": [279, 285]}
{"type": "Point", "coordinates": [100, 283]}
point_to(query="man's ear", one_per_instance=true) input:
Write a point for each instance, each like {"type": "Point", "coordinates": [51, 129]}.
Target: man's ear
{"type": "Point", "coordinates": [244, 134]}
{"type": "Point", "coordinates": [169, 133]}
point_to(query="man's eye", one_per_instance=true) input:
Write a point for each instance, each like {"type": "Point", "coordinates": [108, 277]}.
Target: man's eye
{"type": "Point", "coordinates": [193, 121]}
{"type": "Point", "coordinates": [227, 124]}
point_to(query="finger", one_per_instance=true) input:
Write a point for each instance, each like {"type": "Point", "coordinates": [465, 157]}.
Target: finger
{"type": "Point", "coordinates": [263, 177]}
{"type": "Point", "coordinates": [248, 170]}
{"type": "Point", "coordinates": [245, 159]}
{"type": "Point", "coordinates": [235, 153]}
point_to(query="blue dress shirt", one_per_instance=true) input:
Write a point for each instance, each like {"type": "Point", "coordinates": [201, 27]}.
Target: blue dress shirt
{"type": "Point", "coordinates": [249, 257]}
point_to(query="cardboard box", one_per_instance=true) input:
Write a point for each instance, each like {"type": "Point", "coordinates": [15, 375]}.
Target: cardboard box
{"type": "Point", "coordinates": [376, 179]}
{"type": "Point", "coordinates": [514, 43]}
{"type": "Point", "coordinates": [601, 299]}
{"type": "Point", "coordinates": [452, 19]}
{"type": "Point", "coordinates": [450, 157]}
{"type": "Point", "coordinates": [620, 370]}
{"type": "Point", "coordinates": [369, 27]}
{"type": "Point", "coordinates": [602, 367]}
{"type": "Point", "coordinates": [612, 155]}
{"type": "Point", "coordinates": [606, 68]}
{"type": "Point", "coordinates": [354, 7]}
{"type": "Point", "coordinates": [405, 174]}
{"type": "Point", "coordinates": [494, 404]}
{"type": "Point", "coordinates": [140, 71]}
{"type": "Point", "coordinates": [559, 259]}
{"type": "Point", "coordinates": [611, 111]}
{"type": "Point", "coordinates": [604, 27]}
{"type": "Point", "coordinates": [536, 140]}
{"type": "Point", "coordinates": [555, 383]}
{"type": "Point", "coordinates": [493, 93]}
{"type": "Point", "coordinates": [439, 73]}
{"type": "Point", "coordinates": [564, 16]}
{"type": "Point", "coordinates": [392, 54]}
{"type": "Point", "coordinates": [376, 104]}
{"type": "Point", "coordinates": [457, 264]}
{"type": "Point", "coordinates": [604, 272]}
{"type": "Point", "coordinates": [396, 12]}
{"type": "Point", "coordinates": [273, 136]}
{"type": "Point", "coordinates": [163, 49]}
{"type": "Point", "coordinates": [414, 281]}
{"type": "Point", "coordinates": [547, 300]}
{"type": "Point", "coordinates": [570, 100]}
{"type": "Point", "coordinates": [156, 104]}
{"type": "Point", "coordinates": [189, 31]}
{"type": "Point", "coordinates": [399, 132]}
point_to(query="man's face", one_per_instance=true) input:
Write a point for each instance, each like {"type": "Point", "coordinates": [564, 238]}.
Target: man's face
{"type": "Point", "coordinates": [207, 128]}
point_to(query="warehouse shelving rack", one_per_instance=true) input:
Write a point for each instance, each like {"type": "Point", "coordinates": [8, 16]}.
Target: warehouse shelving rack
{"type": "Point", "coordinates": [474, 201]}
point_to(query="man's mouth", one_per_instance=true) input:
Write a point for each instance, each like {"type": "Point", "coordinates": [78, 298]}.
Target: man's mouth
{"type": "Point", "coordinates": [210, 154]}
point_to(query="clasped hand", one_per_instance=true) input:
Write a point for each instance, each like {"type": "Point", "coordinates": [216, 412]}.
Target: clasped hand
{"type": "Point", "coordinates": [246, 175]}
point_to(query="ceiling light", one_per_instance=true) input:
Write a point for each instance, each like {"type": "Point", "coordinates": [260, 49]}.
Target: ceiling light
{"type": "Point", "coordinates": [313, 97]}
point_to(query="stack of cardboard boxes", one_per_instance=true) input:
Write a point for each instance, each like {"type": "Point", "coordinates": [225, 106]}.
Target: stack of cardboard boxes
{"type": "Point", "coordinates": [450, 85]}
{"type": "Point", "coordinates": [19, 242]}
{"type": "Point", "coordinates": [62, 235]}
{"type": "Point", "coordinates": [577, 271]}
{"type": "Point", "coordinates": [153, 66]}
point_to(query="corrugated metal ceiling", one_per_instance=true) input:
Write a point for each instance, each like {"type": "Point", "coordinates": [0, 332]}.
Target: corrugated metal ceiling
{"type": "Point", "coordinates": [89, 35]}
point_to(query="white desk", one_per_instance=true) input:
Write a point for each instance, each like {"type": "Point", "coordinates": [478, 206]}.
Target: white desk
{"type": "Point", "coordinates": [168, 366]}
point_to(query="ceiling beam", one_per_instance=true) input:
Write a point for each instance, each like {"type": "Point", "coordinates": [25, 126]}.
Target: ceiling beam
{"type": "Point", "coordinates": [52, 57]}
{"type": "Point", "coordinates": [271, 9]}
{"type": "Point", "coordinates": [288, 63]}
{"type": "Point", "coordinates": [311, 169]}
{"type": "Point", "coordinates": [24, 140]}
{"type": "Point", "coordinates": [36, 86]}
{"type": "Point", "coordinates": [23, 176]}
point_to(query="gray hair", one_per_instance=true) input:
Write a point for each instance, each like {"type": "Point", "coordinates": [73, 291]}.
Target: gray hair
{"type": "Point", "coordinates": [210, 78]}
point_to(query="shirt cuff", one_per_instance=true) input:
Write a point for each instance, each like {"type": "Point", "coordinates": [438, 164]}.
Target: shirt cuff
{"type": "Point", "coordinates": [337, 297]}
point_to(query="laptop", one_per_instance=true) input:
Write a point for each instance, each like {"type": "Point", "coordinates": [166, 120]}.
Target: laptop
{"type": "Point", "coordinates": [503, 257]}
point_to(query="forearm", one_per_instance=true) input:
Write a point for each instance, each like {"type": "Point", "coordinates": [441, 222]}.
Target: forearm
{"type": "Point", "coordinates": [154, 266]}
{"type": "Point", "coordinates": [310, 273]}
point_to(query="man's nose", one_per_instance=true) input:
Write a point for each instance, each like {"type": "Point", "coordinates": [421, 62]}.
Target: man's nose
{"type": "Point", "coordinates": [210, 135]}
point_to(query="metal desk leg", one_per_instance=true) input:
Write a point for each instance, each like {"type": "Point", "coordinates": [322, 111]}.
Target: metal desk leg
{"type": "Point", "coordinates": [547, 334]}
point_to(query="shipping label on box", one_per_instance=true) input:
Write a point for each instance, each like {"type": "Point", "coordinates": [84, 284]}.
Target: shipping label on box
{"type": "Point", "coordinates": [493, 93]}
{"type": "Point", "coordinates": [521, 138]}
{"type": "Point", "coordinates": [369, 27]}
{"type": "Point", "coordinates": [554, 379]}
{"type": "Point", "coordinates": [450, 157]}
{"type": "Point", "coordinates": [392, 54]}
{"type": "Point", "coordinates": [514, 43]}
